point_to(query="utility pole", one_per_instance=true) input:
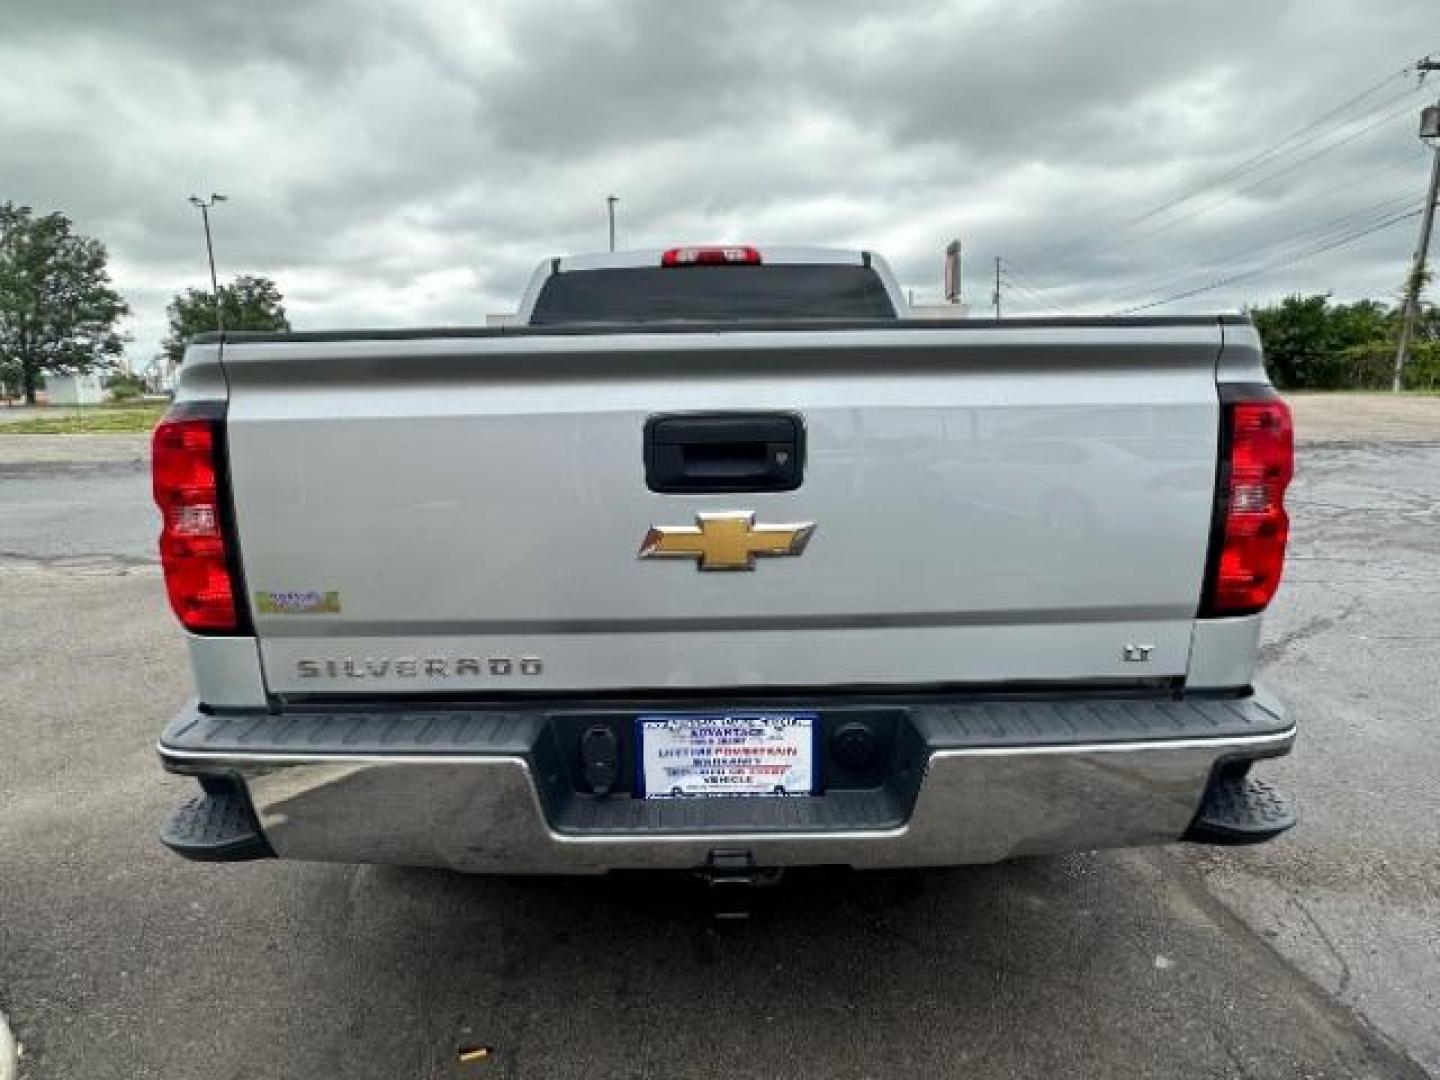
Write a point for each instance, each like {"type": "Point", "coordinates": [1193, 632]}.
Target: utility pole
{"type": "Point", "coordinates": [204, 207]}
{"type": "Point", "coordinates": [610, 201]}
{"type": "Point", "coordinates": [1429, 134]}
{"type": "Point", "coordinates": [996, 297]}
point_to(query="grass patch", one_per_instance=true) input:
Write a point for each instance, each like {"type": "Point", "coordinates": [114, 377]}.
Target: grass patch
{"type": "Point", "coordinates": [96, 420]}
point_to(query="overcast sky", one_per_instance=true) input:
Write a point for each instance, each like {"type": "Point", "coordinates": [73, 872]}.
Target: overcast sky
{"type": "Point", "coordinates": [409, 162]}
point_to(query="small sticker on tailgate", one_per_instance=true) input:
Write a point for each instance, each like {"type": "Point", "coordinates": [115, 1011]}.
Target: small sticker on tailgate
{"type": "Point", "coordinates": [303, 602]}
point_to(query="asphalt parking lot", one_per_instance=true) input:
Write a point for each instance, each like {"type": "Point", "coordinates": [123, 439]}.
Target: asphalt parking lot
{"type": "Point", "coordinates": [1315, 956]}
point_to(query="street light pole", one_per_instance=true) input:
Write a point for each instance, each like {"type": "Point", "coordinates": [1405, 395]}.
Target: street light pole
{"type": "Point", "coordinates": [610, 201]}
{"type": "Point", "coordinates": [204, 207]}
{"type": "Point", "coordinates": [1430, 133]}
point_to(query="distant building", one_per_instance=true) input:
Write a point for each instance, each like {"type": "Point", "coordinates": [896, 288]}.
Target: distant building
{"type": "Point", "coordinates": [940, 311]}
{"type": "Point", "coordinates": [74, 389]}
{"type": "Point", "coordinates": [952, 306]}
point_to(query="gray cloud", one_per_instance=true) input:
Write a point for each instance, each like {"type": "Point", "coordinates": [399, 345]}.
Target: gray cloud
{"type": "Point", "coordinates": [410, 162]}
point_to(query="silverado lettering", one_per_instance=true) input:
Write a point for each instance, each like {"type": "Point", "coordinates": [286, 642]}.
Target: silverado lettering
{"type": "Point", "coordinates": [413, 667]}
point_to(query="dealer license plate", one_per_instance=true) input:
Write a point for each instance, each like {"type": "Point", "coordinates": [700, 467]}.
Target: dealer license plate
{"type": "Point", "coordinates": [740, 753]}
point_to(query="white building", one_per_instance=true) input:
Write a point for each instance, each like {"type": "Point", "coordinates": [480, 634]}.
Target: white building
{"type": "Point", "coordinates": [956, 310]}
{"type": "Point", "coordinates": [74, 389]}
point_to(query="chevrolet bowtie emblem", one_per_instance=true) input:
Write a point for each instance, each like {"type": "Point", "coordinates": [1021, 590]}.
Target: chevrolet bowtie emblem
{"type": "Point", "coordinates": [728, 541]}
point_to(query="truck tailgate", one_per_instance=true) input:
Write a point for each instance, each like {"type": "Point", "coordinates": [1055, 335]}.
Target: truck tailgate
{"type": "Point", "coordinates": [990, 505]}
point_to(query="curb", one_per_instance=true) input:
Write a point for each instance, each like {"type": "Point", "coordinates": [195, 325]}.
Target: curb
{"type": "Point", "coordinates": [9, 1059]}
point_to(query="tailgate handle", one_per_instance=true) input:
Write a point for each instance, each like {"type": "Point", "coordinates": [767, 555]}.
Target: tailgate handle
{"type": "Point", "coordinates": [721, 452]}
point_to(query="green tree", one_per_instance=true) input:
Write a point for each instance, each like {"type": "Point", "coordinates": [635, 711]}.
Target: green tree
{"type": "Point", "coordinates": [1297, 340]}
{"type": "Point", "coordinates": [58, 311]}
{"type": "Point", "coordinates": [9, 378]}
{"type": "Point", "coordinates": [1427, 326]}
{"type": "Point", "coordinates": [1311, 343]}
{"type": "Point", "coordinates": [124, 386]}
{"type": "Point", "coordinates": [250, 302]}
{"type": "Point", "coordinates": [1365, 322]}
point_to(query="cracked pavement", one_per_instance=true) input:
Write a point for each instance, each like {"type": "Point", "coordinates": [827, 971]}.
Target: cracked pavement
{"type": "Point", "coordinates": [1353, 647]}
{"type": "Point", "coordinates": [1314, 956]}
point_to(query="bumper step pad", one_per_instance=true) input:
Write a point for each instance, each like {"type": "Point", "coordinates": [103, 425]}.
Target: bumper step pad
{"type": "Point", "coordinates": [215, 827]}
{"type": "Point", "coordinates": [1241, 810]}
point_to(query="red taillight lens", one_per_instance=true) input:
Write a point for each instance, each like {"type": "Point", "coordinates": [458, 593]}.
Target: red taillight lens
{"type": "Point", "coordinates": [192, 538]}
{"type": "Point", "coordinates": [711, 256]}
{"type": "Point", "coordinates": [1252, 526]}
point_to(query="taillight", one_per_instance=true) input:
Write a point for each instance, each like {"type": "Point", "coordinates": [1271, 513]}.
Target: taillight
{"type": "Point", "coordinates": [711, 256]}
{"type": "Point", "coordinates": [1251, 527]}
{"type": "Point", "coordinates": [185, 467]}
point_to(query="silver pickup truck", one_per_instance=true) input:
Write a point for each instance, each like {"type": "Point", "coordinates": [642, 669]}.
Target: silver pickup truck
{"type": "Point", "coordinates": [717, 561]}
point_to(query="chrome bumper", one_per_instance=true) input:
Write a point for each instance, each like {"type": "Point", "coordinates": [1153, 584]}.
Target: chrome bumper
{"type": "Point", "coordinates": [486, 810]}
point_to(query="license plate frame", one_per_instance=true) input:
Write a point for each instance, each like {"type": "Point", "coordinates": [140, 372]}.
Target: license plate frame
{"type": "Point", "coordinates": [727, 754]}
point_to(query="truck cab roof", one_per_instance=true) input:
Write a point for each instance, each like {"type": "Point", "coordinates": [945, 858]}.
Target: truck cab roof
{"type": "Point", "coordinates": [769, 255]}
{"type": "Point", "coordinates": [711, 283]}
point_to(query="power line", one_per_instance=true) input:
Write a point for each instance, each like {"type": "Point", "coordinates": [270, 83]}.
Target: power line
{"type": "Point", "coordinates": [1269, 155]}
{"type": "Point", "coordinates": [1348, 130]}
{"type": "Point", "coordinates": [1266, 268]}
{"type": "Point", "coordinates": [1267, 178]}
{"type": "Point", "coordinates": [1137, 283]}
{"type": "Point", "coordinates": [1276, 149]}
{"type": "Point", "coordinates": [1327, 244]}
{"type": "Point", "coordinates": [1310, 235]}
{"type": "Point", "coordinates": [1318, 233]}
{"type": "Point", "coordinates": [1144, 283]}
{"type": "Point", "coordinates": [1383, 169]}
{"type": "Point", "coordinates": [1027, 293]}
{"type": "Point", "coordinates": [1272, 152]}
{"type": "Point", "coordinates": [1026, 275]}
{"type": "Point", "coordinates": [1016, 280]}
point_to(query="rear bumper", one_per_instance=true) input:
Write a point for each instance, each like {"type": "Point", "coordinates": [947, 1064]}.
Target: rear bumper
{"type": "Point", "coordinates": [489, 789]}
